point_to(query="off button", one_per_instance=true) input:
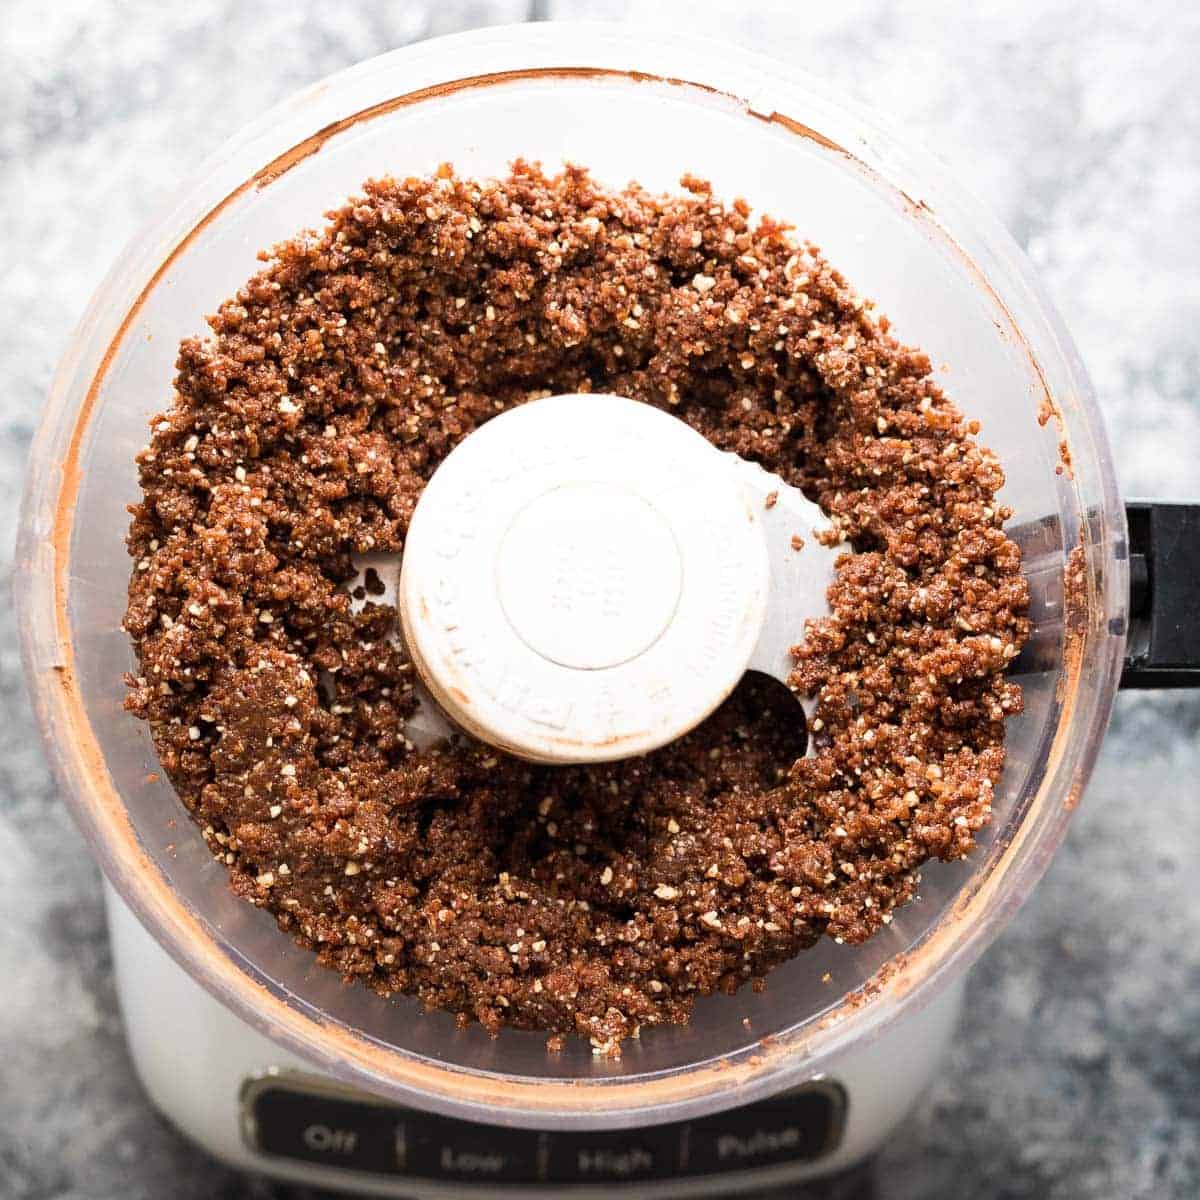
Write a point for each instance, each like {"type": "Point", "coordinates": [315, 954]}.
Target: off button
{"type": "Point", "coordinates": [321, 1128]}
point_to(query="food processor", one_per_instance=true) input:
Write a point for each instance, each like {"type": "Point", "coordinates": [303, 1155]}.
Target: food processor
{"type": "Point", "coordinates": [271, 1062]}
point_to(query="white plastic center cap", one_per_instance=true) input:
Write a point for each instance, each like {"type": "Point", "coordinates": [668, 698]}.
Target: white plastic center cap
{"type": "Point", "coordinates": [589, 575]}
{"type": "Point", "coordinates": [585, 578]}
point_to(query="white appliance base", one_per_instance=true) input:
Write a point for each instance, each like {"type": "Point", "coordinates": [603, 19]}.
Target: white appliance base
{"type": "Point", "coordinates": [195, 1058]}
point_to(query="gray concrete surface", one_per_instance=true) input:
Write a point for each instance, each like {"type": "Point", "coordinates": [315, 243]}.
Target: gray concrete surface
{"type": "Point", "coordinates": [1078, 1074]}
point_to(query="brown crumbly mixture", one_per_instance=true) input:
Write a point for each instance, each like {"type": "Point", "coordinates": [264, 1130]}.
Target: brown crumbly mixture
{"type": "Point", "coordinates": [597, 899]}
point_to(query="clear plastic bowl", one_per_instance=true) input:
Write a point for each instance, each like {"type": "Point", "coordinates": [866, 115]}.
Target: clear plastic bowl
{"type": "Point", "coordinates": [630, 105]}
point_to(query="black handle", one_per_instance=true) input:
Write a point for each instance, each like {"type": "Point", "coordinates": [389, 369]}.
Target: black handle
{"type": "Point", "coordinates": [1163, 647]}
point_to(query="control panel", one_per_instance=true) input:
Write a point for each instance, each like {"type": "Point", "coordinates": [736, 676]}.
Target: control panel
{"type": "Point", "coordinates": [302, 1118]}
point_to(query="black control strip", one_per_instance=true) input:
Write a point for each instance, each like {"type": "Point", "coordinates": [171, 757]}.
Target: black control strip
{"type": "Point", "coordinates": [303, 1118]}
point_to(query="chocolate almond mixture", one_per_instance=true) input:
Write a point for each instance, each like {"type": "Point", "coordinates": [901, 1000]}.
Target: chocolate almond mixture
{"type": "Point", "coordinates": [593, 900]}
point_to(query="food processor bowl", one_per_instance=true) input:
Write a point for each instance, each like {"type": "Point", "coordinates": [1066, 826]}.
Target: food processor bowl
{"type": "Point", "coordinates": [630, 105]}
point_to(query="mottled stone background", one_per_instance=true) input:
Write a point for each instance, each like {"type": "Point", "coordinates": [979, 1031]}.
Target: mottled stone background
{"type": "Point", "coordinates": [1079, 1073]}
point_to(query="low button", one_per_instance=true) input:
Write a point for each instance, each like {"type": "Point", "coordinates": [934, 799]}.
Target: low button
{"type": "Point", "coordinates": [437, 1148]}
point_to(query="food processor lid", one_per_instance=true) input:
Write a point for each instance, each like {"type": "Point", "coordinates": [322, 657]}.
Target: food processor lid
{"type": "Point", "coordinates": [586, 578]}
{"type": "Point", "coordinates": [583, 579]}
{"type": "Point", "coordinates": [775, 129]}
